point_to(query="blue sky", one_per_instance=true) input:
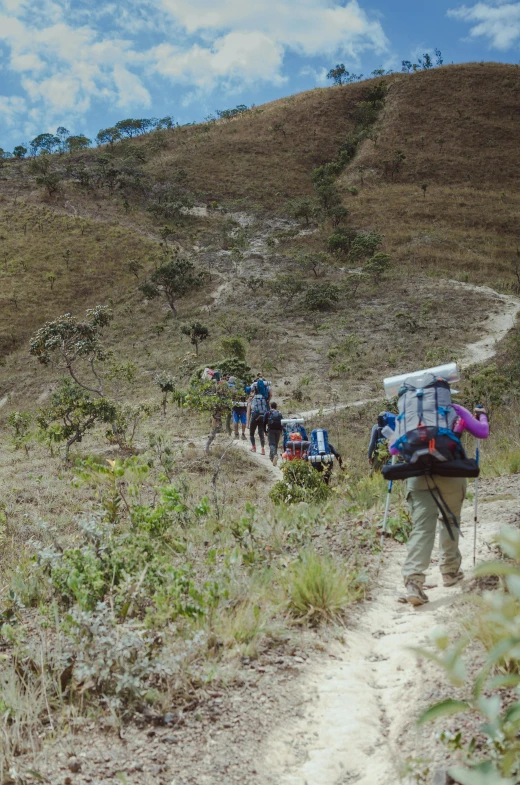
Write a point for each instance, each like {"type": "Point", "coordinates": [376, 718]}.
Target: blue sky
{"type": "Point", "coordinates": [85, 64]}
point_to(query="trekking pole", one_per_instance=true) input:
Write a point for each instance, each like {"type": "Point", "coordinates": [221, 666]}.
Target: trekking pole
{"type": "Point", "coordinates": [385, 519]}
{"type": "Point", "coordinates": [475, 511]}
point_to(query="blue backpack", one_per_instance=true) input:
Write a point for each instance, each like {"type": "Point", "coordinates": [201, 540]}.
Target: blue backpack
{"type": "Point", "coordinates": [319, 450]}
{"type": "Point", "coordinates": [262, 388]}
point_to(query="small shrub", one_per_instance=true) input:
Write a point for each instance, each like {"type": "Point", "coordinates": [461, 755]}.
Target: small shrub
{"type": "Point", "coordinates": [301, 483]}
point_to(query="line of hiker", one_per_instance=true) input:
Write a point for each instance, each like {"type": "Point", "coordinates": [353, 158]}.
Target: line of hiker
{"type": "Point", "coordinates": [257, 413]}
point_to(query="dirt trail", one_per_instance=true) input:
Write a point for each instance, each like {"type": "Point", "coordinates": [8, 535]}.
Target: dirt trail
{"type": "Point", "coordinates": [363, 698]}
{"type": "Point", "coordinates": [496, 326]}
{"type": "Point", "coordinates": [368, 691]}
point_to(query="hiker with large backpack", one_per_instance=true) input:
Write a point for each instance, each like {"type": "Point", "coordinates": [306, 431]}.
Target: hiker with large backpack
{"type": "Point", "coordinates": [321, 454]}
{"type": "Point", "coordinates": [274, 428]}
{"type": "Point", "coordinates": [256, 409]}
{"type": "Point", "coordinates": [261, 387]}
{"type": "Point", "coordinates": [436, 467]}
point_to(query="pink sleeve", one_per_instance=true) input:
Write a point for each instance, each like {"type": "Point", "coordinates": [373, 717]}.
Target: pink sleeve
{"type": "Point", "coordinates": [478, 428]}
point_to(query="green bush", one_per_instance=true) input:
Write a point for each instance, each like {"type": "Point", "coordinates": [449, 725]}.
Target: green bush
{"type": "Point", "coordinates": [322, 297]}
{"type": "Point", "coordinates": [301, 483]}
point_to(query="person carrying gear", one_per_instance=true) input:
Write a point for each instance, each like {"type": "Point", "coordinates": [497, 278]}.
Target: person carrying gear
{"type": "Point", "coordinates": [273, 427]}
{"type": "Point", "coordinates": [321, 454]}
{"type": "Point", "coordinates": [239, 411]}
{"type": "Point", "coordinates": [257, 407]}
{"type": "Point", "coordinates": [436, 468]}
{"type": "Point", "coordinates": [296, 448]}
{"type": "Point", "coordinates": [261, 387]}
{"type": "Point", "coordinates": [378, 440]}
{"type": "Point", "coordinates": [293, 427]}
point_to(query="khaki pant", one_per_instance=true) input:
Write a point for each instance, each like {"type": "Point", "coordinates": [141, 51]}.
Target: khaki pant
{"type": "Point", "coordinates": [425, 515]}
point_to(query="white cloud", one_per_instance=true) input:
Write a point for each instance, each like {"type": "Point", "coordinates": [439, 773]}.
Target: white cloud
{"type": "Point", "coordinates": [318, 74]}
{"type": "Point", "coordinates": [310, 27]}
{"type": "Point", "coordinates": [12, 108]}
{"type": "Point", "coordinates": [68, 55]}
{"type": "Point", "coordinates": [235, 57]}
{"type": "Point", "coordinates": [498, 21]}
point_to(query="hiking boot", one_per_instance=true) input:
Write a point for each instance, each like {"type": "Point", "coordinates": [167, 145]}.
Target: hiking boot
{"type": "Point", "coordinates": [244, 436]}
{"type": "Point", "coordinates": [451, 578]}
{"type": "Point", "coordinates": [263, 451]}
{"type": "Point", "coordinates": [253, 449]}
{"type": "Point", "coordinates": [415, 594]}
{"type": "Point", "coordinates": [275, 460]}
{"type": "Point", "coordinates": [235, 436]}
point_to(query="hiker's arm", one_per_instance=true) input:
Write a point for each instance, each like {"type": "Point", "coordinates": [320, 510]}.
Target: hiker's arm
{"type": "Point", "coordinates": [336, 454]}
{"type": "Point", "coordinates": [478, 428]}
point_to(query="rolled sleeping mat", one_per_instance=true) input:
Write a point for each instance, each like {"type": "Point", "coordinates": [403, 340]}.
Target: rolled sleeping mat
{"type": "Point", "coordinates": [393, 384]}
{"type": "Point", "coordinates": [320, 458]}
{"type": "Point", "coordinates": [293, 422]}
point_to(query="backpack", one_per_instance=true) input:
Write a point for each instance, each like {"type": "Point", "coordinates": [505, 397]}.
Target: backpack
{"type": "Point", "coordinates": [261, 388]}
{"type": "Point", "coordinates": [319, 450]}
{"type": "Point", "coordinates": [425, 437]}
{"type": "Point", "coordinates": [259, 405]}
{"type": "Point", "coordinates": [274, 421]}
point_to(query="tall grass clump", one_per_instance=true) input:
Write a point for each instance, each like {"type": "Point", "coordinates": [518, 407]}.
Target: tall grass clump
{"type": "Point", "coordinates": [320, 588]}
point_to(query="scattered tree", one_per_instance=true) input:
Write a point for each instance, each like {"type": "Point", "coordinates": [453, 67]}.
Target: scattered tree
{"type": "Point", "coordinates": [339, 74]}
{"type": "Point", "coordinates": [287, 287]}
{"type": "Point", "coordinates": [438, 55]}
{"type": "Point", "coordinates": [167, 385]}
{"type": "Point", "coordinates": [44, 143]}
{"type": "Point", "coordinates": [322, 297]}
{"type": "Point", "coordinates": [20, 151]}
{"type": "Point", "coordinates": [50, 181]}
{"type": "Point", "coordinates": [197, 333]}
{"type": "Point", "coordinates": [377, 266]}
{"type": "Point", "coordinates": [316, 263]}
{"type": "Point", "coordinates": [135, 267]}
{"type": "Point", "coordinates": [108, 136]}
{"type": "Point", "coordinates": [424, 188]}
{"type": "Point", "coordinates": [364, 245]}
{"type": "Point", "coordinates": [426, 61]}
{"type": "Point", "coordinates": [75, 143]}
{"type": "Point", "coordinates": [234, 347]}
{"type": "Point", "coordinates": [173, 279]}
{"type": "Point", "coordinates": [72, 413]}
{"type": "Point", "coordinates": [67, 342]}
{"type": "Point", "coordinates": [303, 208]}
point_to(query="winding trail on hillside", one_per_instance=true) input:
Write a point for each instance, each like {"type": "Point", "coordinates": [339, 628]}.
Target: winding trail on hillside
{"type": "Point", "coordinates": [363, 697]}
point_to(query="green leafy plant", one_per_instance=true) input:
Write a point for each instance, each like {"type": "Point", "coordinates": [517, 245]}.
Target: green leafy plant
{"type": "Point", "coordinates": [301, 483]}
{"type": "Point", "coordinates": [497, 626]}
{"type": "Point", "coordinates": [71, 413]}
